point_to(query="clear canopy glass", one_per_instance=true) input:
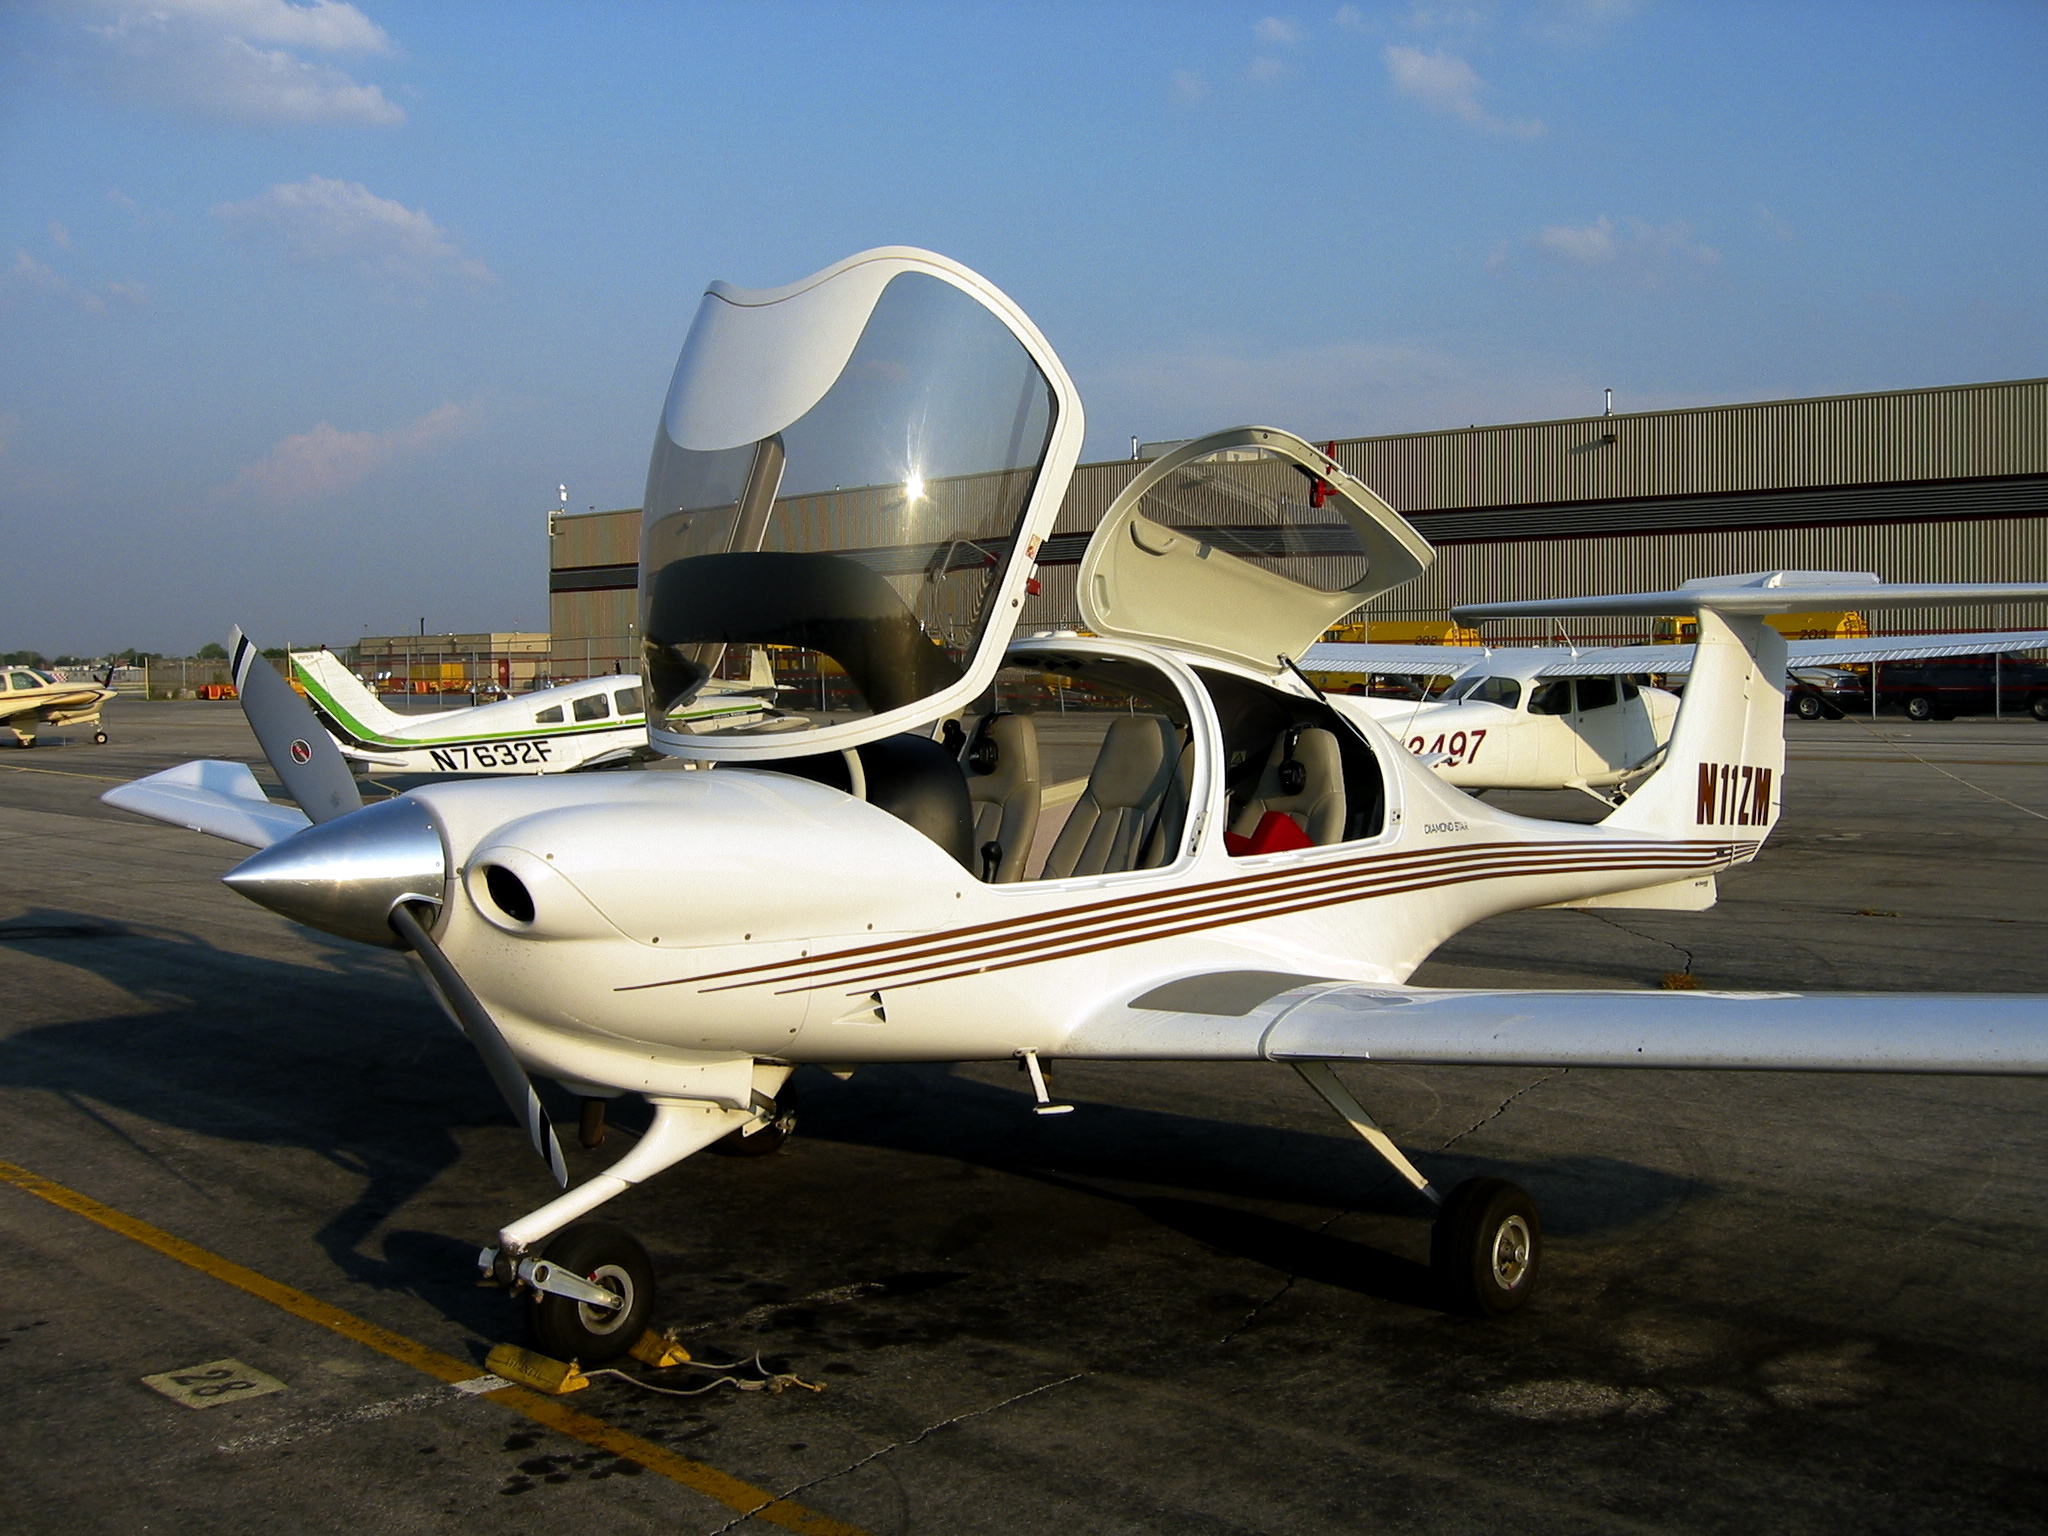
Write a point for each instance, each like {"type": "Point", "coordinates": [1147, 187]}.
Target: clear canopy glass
{"type": "Point", "coordinates": [1265, 508]}
{"type": "Point", "coordinates": [864, 539]}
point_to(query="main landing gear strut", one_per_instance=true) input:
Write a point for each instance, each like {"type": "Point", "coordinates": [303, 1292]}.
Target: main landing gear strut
{"type": "Point", "coordinates": [1487, 1241]}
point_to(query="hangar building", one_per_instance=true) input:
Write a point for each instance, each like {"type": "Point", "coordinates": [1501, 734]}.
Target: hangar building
{"type": "Point", "coordinates": [1946, 484]}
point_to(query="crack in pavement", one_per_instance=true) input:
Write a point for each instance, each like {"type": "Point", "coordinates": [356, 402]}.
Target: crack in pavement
{"type": "Point", "coordinates": [1648, 938]}
{"type": "Point", "coordinates": [895, 1445]}
{"type": "Point", "coordinates": [1502, 1107]}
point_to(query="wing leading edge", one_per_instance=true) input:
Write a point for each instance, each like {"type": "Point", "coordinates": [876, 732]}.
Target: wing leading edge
{"type": "Point", "coordinates": [1981, 1033]}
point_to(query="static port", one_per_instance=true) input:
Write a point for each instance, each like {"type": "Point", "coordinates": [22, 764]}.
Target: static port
{"type": "Point", "coordinates": [509, 892]}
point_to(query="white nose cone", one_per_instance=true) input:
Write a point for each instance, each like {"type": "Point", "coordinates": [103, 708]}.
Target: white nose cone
{"type": "Point", "coordinates": [344, 876]}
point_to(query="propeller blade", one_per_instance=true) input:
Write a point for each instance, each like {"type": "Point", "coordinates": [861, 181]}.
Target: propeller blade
{"type": "Point", "coordinates": [489, 1040]}
{"type": "Point", "coordinates": [304, 756]}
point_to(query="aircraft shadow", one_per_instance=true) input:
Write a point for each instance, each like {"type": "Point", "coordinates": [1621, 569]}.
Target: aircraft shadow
{"type": "Point", "coordinates": [346, 1057]}
{"type": "Point", "coordinates": [1102, 1150]}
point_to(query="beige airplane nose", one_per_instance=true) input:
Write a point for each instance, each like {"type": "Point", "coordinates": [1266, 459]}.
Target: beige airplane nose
{"type": "Point", "coordinates": [344, 876]}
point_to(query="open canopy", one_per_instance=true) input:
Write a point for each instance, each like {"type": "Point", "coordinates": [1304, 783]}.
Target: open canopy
{"type": "Point", "coordinates": [1246, 544]}
{"type": "Point", "coordinates": [856, 470]}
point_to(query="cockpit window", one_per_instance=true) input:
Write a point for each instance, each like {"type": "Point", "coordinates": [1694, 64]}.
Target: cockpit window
{"type": "Point", "coordinates": [552, 715]}
{"type": "Point", "coordinates": [869, 534]}
{"type": "Point", "coordinates": [1504, 691]}
{"type": "Point", "coordinates": [591, 707]}
{"type": "Point", "coordinates": [1552, 698]}
{"type": "Point", "coordinates": [25, 680]}
{"type": "Point", "coordinates": [1597, 693]}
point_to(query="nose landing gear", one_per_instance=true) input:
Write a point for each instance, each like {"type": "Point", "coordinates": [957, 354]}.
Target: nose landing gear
{"type": "Point", "coordinates": [610, 1258]}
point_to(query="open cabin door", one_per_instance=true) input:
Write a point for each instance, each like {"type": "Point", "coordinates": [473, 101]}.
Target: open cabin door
{"type": "Point", "coordinates": [1245, 545]}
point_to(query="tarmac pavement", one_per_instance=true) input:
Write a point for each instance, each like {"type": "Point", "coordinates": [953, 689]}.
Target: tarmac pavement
{"type": "Point", "coordinates": [1770, 1302]}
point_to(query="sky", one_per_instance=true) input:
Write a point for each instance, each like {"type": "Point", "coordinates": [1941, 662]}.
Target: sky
{"type": "Point", "coordinates": [306, 309]}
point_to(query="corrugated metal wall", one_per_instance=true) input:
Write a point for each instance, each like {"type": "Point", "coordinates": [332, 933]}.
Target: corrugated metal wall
{"type": "Point", "coordinates": [2001, 549]}
{"type": "Point", "coordinates": [1955, 433]}
{"type": "Point", "coordinates": [1746, 463]}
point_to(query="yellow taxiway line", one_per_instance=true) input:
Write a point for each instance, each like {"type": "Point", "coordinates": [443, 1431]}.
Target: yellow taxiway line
{"type": "Point", "coordinates": [726, 1489]}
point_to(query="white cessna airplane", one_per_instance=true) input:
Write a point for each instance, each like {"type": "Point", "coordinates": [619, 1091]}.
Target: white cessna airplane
{"type": "Point", "coordinates": [1561, 717]}
{"type": "Point", "coordinates": [866, 463]}
{"type": "Point", "coordinates": [591, 723]}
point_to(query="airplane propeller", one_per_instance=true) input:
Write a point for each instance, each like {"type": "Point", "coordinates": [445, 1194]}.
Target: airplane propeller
{"type": "Point", "coordinates": [360, 877]}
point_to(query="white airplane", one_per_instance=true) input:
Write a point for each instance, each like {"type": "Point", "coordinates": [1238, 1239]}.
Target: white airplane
{"type": "Point", "coordinates": [867, 462]}
{"type": "Point", "coordinates": [1557, 717]}
{"type": "Point", "coordinates": [592, 723]}
{"type": "Point", "coordinates": [30, 697]}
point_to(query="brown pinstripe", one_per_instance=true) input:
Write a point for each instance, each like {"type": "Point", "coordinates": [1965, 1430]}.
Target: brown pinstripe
{"type": "Point", "coordinates": [1144, 916]}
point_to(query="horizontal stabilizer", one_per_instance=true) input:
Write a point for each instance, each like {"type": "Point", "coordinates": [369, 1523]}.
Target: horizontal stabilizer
{"type": "Point", "coordinates": [1985, 1033]}
{"type": "Point", "coordinates": [217, 798]}
{"type": "Point", "coordinates": [1762, 592]}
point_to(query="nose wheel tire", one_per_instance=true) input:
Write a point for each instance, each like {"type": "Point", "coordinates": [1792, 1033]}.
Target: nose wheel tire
{"type": "Point", "coordinates": [100, 737]}
{"type": "Point", "coordinates": [575, 1330]}
{"type": "Point", "coordinates": [1486, 1247]}
{"type": "Point", "coordinates": [767, 1139]}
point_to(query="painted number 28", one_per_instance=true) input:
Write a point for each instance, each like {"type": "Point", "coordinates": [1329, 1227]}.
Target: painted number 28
{"type": "Point", "coordinates": [212, 1383]}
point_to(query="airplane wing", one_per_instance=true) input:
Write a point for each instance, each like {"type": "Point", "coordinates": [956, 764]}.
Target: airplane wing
{"type": "Point", "coordinates": [1608, 660]}
{"type": "Point", "coordinates": [1677, 659]}
{"type": "Point", "coordinates": [1832, 653]}
{"type": "Point", "coordinates": [1406, 660]}
{"type": "Point", "coordinates": [220, 799]}
{"type": "Point", "coordinates": [1309, 1020]}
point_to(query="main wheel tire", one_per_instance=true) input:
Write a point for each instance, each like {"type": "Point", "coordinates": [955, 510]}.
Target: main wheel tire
{"type": "Point", "coordinates": [1486, 1247]}
{"type": "Point", "coordinates": [1920, 707]}
{"type": "Point", "coordinates": [767, 1139]}
{"type": "Point", "coordinates": [574, 1330]}
{"type": "Point", "coordinates": [1807, 707]}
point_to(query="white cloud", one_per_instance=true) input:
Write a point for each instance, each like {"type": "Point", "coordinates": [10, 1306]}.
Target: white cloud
{"type": "Point", "coordinates": [1189, 86]}
{"type": "Point", "coordinates": [1265, 67]}
{"type": "Point", "coordinates": [316, 463]}
{"type": "Point", "coordinates": [1628, 250]}
{"type": "Point", "coordinates": [1446, 84]}
{"type": "Point", "coordinates": [323, 220]}
{"type": "Point", "coordinates": [29, 275]}
{"type": "Point", "coordinates": [1350, 18]}
{"type": "Point", "coordinates": [239, 59]}
{"type": "Point", "coordinates": [1279, 29]}
{"type": "Point", "coordinates": [60, 237]}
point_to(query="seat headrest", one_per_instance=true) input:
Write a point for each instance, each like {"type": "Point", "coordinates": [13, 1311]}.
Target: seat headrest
{"type": "Point", "coordinates": [1136, 756]}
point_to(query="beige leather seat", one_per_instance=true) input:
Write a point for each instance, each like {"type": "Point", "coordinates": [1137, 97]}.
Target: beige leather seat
{"type": "Point", "coordinates": [1317, 807]}
{"type": "Point", "coordinates": [1005, 796]}
{"type": "Point", "coordinates": [1107, 829]}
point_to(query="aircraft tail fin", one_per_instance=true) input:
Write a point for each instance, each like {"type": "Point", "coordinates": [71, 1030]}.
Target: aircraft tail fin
{"type": "Point", "coordinates": [342, 696]}
{"type": "Point", "coordinates": [1721, 771]}
{"type": "Point", "coordinates": [761, 673]}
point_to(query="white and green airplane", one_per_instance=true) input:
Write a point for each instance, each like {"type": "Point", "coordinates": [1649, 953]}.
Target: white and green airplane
{"type": "Point", "coordinates": [587, 724]}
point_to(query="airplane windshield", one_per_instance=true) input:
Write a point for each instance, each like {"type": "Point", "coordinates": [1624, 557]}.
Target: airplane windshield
{"type": "Point", "coordinates": [868, 533]}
